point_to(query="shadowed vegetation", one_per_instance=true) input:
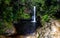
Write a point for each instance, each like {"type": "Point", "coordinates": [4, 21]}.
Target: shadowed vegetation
{"type": "Point", "coordinates": [11, 11]}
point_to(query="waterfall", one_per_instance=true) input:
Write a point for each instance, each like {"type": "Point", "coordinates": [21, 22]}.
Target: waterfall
{"type": "Point", "coordinates": [34, 14]}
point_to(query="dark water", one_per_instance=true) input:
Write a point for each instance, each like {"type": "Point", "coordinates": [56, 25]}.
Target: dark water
{"type": "Point", "coordinates": [24, 27]}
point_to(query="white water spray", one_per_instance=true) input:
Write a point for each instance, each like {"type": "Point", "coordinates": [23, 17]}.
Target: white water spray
{"type": "Point", "coordinates": [34, 14]}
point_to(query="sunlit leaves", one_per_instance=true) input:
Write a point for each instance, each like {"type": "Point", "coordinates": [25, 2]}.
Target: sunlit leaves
{"type": "Point", "coordinates": [22, 2]}
{"type": "Point", "coordinates": [41, 6]}
{"type": "Point", "coordinates": [25, 16]}
{"type": "Point", "coordinates": [45, 18]}
{"type": "Point", "coordinates": [34, 2]}
{"type": "Point", "coordinates": [7, 1]}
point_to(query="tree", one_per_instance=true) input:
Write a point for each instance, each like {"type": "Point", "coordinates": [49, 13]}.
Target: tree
{"type": "Point", "coordinates": [14, 10]}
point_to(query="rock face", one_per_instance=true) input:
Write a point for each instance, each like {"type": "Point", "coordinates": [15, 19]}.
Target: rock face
{"type": "Point", "coordinates": [55, 33]}
{"type": "Point", "coordinates": [9, 30]}
{"type": "Point", "coordinates": [50, 30]}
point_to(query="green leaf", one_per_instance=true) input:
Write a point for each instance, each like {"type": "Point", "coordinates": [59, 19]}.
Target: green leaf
{"type": "Point", "coordinates": [45, 18]}
{"type": "Point", "coordinates": [7, 1]}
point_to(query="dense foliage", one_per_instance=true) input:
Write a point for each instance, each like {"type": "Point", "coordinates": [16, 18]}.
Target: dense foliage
{"type": "Point", "coordinates": [13, 10]}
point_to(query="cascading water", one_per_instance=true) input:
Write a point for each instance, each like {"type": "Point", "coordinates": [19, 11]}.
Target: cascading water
{"type": "Point", "coordinates": [27, 26]}
{"type": "Point", "coordinates": [34, 14]}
